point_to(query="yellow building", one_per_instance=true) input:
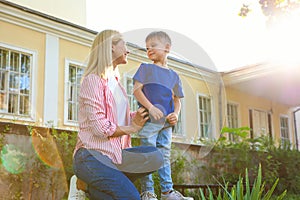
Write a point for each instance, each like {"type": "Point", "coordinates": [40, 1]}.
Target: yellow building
{"type": "Point", "coordinates": [42, 59]}
{"type": "Point", "coordinates": [267, 98]}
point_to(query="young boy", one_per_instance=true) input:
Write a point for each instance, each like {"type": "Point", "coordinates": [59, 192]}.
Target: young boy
{"type": "Point", "coordinates": [159, 89]}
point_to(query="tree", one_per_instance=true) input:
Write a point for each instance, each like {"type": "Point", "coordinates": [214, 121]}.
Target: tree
{"type": "Point", "coordinates": [271, 8]}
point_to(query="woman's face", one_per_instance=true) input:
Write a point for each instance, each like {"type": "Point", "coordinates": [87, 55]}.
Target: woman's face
{"type": "Point", "coordinates": [119, 53]}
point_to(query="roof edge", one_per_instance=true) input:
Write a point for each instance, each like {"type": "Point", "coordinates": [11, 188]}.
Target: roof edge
{"type": "Point", "coordinates": [46, 16]}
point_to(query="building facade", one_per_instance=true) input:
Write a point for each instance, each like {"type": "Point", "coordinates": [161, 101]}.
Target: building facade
{"type": "Point", "coordinates": [42, 59]}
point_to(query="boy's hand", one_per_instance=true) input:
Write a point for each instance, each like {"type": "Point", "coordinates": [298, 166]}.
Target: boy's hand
{"type": "Point", "coordinates": [172, 118]}
{"type": "Point", "coordinates": [155, 113]}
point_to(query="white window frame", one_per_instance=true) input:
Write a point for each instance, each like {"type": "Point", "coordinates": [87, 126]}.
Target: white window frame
{"type": "Point", "coordinates": [296, 124]}
{"type": "Point", "coordinates": [69, 62]}
{"type": "Point", "coordinates": [267, 132]}
{"type": "Point", "coordinates": [125, 77]}
{"type": "Point", "coordinates": [182, 117]}
{"type": "Point", "coordinates": [230, 137]}
{"type": "Point", "coordinates": [33, 84]}
{"type": "Point", "coordinates": [281, 128]}
{"type": "Point", "coordinates": [212, 122]}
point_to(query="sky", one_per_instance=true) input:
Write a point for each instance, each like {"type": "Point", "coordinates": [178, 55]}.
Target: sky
{"type": "Point", "coordinates": [208, 33]}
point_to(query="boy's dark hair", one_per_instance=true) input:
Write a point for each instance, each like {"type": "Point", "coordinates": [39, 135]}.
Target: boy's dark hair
{"type": "Point", "coordinates": [161, 35]}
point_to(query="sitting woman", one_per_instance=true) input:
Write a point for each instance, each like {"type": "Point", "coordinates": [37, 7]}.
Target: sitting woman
{"type": "Point", "coordinates": [103, 157]}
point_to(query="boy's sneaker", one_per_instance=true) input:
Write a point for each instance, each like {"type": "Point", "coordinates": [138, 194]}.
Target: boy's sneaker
{"type": "Point", "coordinates": [175, 195]}
{"type": "Point", "coordinates": [74, 193]}
{"type": "Point", "coordinates": [148, 196]}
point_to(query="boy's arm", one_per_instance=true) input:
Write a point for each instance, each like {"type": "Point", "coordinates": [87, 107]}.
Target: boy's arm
{"type": "Point", "coordinates": [177, 105]}
{"type": "Point", "coordinates": [139, 95]}
{"type": "Point", "coordinates": [173, 117]}
{"type": "Point", "coordinates": [141, 98]}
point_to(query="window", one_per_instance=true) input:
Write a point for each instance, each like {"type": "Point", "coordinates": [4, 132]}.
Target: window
{"type": "Point", "coordinates": [204, 110]}
{"type": "Point", "coordinates": [260, 123]}
{"type": "Point", "coordinates": [178, 128]}
{"type": "Point", "coordinates": [284, 130]}
{"type": "Point", "coordinates": [129, 90]}
{"type": "Point", "coordinates": [296, 114]}
{"type": "Point", "coordinates": [232, 118]}
{"type": "Point", "coordinates": [73, 75]}
{"type": "Point", "coordinates": [15, 82]}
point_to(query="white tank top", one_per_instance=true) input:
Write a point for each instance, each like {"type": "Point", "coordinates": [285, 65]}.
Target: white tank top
{"type": "Point", "coordinates": [120, 99]}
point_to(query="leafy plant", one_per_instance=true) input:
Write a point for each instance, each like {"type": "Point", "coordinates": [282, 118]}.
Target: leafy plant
{"type": "Point", "coordinates": [2, 137]}
{"type": "Point", "coordinates": [244, 191]}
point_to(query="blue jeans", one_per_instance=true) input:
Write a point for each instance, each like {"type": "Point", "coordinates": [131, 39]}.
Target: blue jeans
{"type": "Point", "coordinates": [107, 180]}
{"type": "Point", "coordinates": [157, 135]}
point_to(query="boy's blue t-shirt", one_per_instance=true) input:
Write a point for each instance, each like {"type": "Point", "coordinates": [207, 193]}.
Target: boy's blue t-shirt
{"type": "Point", "coordinates": [159, 85]}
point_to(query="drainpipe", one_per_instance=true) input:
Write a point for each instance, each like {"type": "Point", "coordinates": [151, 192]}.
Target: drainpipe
{"type": "Point", "coordinates": [222, 105]}
{"type": "Point", "coordinates": [295, 125]}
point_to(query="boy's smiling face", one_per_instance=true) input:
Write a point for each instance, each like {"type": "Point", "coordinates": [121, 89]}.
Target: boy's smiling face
{"type": "Point", "coordinates": [156, 49]}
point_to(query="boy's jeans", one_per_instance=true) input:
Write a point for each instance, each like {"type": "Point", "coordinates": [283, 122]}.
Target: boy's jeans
{"type": "Point", "coordinates": [107, 180]}
{"type": "Point", "coordinates": [157, 135]}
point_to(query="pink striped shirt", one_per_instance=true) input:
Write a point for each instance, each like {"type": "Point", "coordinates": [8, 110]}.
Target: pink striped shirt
{"type": "Point", "coordinates": [97, 118]}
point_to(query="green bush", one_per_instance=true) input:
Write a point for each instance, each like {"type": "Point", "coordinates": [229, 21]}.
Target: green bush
{"type": "Point", "coordinates": [230, 159]}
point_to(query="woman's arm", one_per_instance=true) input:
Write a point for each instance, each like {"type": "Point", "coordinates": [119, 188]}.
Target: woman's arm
{"type": "Point", "coordinates": [137, 123]}
{"type": "Point", "coordinates": [95, 112]}
{"type": "Point", "coordinates": [93, 107]}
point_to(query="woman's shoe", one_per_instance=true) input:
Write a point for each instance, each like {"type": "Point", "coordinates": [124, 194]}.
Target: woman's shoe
{"type": "Point", "coordinates": [74, 193]}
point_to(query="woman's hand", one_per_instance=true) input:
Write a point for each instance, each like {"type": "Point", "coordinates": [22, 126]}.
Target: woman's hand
{"type": "Point", "coordinates": [137, 122]}
{"type": "Point", "coordinates": [140, 119]}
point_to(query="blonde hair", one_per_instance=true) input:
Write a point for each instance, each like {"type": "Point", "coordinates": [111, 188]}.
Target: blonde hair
{"type": "Point", "coordinates": [160, 35]}
{"type": "Point", "coordinates": [100, 57]}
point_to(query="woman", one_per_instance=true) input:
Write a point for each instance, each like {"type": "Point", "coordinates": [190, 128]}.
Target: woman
{"type": "Point", "coordinates": [102, 156]}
